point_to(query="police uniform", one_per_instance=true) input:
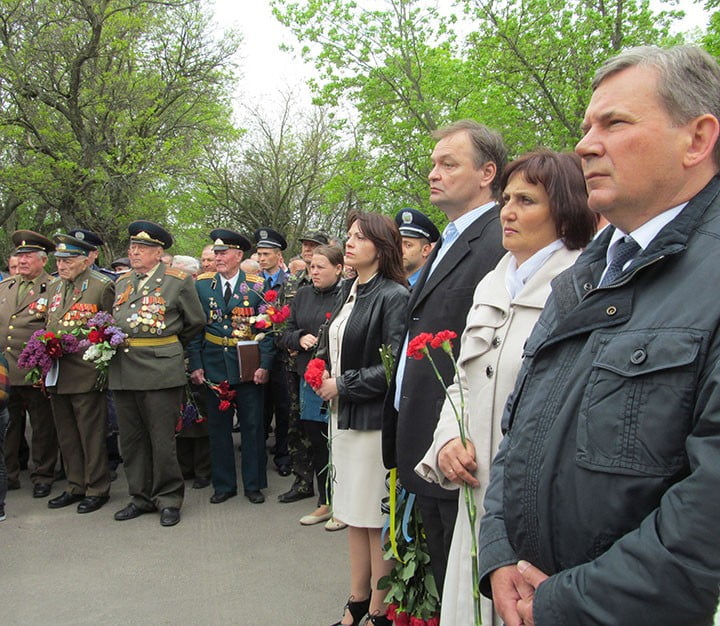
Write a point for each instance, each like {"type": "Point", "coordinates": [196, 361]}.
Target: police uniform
{"type": "Point", "coordinates": [20, 317]}
{"type": "Point", "coordinates": [160, 313]}
{"type": "Point", "coordinates": [215, 352]}
{"type": "Point", "coordinates": [78, 402]}
{"type": "Point", "coordinates": [299, 447]}
{"type": "Point", "coordinates": [416, 225]}
{"type": "Point", "coordinates": [277, 398]}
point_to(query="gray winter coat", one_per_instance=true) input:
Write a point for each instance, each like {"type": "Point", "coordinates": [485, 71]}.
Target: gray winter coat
{"type": "Point", "coordinates": [609, 476]}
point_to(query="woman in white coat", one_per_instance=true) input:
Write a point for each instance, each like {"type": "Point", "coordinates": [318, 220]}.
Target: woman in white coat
{"type": "Point", "coordinates": [545, 222]}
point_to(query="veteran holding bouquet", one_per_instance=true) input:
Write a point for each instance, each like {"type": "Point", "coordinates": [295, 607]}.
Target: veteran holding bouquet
{"type": "Point", "coordinates": [232, 301]}
{"type": "Point", "coordinates": [78, 402]}
{"type": "Point", "coordinates": [158, 308]}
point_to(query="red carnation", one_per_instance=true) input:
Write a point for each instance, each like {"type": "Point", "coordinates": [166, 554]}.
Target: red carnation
{"type": "Point", "coordinates": [417, 621]}
{"type": "Point", "coordinates": [402, 618]}
{"type": "Point", "coordinates": [96, 336]}
{"type": "Point", "coordinates": [270, 295]}
{"type": "Point", "coordinates": [261, 324]}
{"type": "Point", "coordinates": [54, 347]}
{"type": "Point", "coordinates": [418, 345]}
{"type": "Point", "coordinates": [278, 317]}
{"type": "Point", "coordinates": [443, 336]}
{"type": "Point", "coordinates": [434, 621]}
{"type": "Point", "coordinates": [391, 611]}
{"type": "Point", "coordinates": [224, 405]}
{"type": "Point", "coordinates": [314, 373]}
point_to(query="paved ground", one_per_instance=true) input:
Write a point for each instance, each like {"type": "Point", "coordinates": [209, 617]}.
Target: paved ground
{"type": "Point", "coordinates": [230, 563]}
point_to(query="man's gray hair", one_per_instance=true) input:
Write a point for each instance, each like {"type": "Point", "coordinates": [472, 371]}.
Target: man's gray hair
{"type": "Point", "coordinates": [688, 80]}
{"type": "Point", "coordinates": [488, 145]}
{"type": "Point", "coordinates": [187, 263]}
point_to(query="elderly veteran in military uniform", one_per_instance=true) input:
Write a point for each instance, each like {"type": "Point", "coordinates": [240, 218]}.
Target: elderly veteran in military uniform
{"type": "Point", "coordinates": [419, 236]}
{"type": "Point", "coordinates": [230, 299]}
{"type": "Point", "coordinates": [78, 402]}
{"type": "Point", "coordinates": [23, 307]}
{"type": "Point", "coordinates": [270, 244]}
{"type": "Point", "coordinates": [298, 444]}
{"type": "Point", "coordinates": [96, 241]}
{"type": "Point", "coordinates": [158, 308]}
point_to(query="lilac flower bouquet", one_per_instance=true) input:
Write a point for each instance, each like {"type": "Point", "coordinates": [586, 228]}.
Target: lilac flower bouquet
{"type": "Point", "coordinates": [42, 350]}
{"type": "Point", "coordinates": [102, 339]}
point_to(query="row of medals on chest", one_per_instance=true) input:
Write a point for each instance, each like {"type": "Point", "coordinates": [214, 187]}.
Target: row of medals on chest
{"type": "Point", "coordinates": [150, 317]}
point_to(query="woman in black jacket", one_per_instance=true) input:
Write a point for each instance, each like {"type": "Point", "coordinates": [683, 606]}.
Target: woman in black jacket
{"type": "Point", "coordinates": [311, 309]}
{"type": "Point", "coordinates": [369, 314]}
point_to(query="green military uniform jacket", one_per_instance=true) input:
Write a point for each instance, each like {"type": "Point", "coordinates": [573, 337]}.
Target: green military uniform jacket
{"type": "Point", "coordinates": [229, 321]}
{"type": "Point", "coordinates": [92, 292]}
{"type": "Point", "coordinates": [159, 319]}
{"type": "Point", "coordinates": [19, 321]}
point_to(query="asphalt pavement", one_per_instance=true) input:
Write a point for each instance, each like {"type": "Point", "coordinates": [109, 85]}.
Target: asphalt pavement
{"type": "Point", "coordinates": [230, 563]}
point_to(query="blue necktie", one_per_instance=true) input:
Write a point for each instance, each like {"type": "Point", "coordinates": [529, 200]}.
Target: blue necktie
{"type": "Point", "coordinates": [624, 251]}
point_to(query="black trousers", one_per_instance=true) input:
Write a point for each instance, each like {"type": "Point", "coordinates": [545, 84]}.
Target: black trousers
{"type": "Point", "coordinates": [438, 518]}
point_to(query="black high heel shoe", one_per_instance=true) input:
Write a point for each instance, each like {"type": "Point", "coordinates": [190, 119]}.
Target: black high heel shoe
{"type": "Point", "coordinates": [358, 610]}
{"type": "Point", "coordinates": [379, 620]}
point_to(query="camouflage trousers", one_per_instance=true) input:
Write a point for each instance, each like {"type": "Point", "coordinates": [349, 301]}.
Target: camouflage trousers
{"type": "Point", "coordinates": [298, 443]}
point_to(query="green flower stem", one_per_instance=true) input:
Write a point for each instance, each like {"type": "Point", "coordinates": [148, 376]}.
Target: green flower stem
{"type": "Point", "coordinates": [467, 491]}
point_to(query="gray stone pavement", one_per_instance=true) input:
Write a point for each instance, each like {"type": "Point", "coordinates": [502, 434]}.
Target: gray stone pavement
{"type": "Point", "coordinates": [231, 563]}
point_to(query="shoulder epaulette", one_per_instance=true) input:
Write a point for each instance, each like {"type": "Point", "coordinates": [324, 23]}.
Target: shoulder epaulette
{"type": "Point", "coordinates": [125, 276]}
{"type": "Point", "coordinates": [101, 277]}
{"type": "Point", "coordinates": [206, 276]}
{"type": "Point", "coordinates": [176, 273]}
{"type": "Point", "coordinates": [254, 278]}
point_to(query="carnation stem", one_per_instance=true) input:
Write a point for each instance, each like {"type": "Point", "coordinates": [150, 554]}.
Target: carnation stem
{"type": "Point", "coordinates": [467, 490]}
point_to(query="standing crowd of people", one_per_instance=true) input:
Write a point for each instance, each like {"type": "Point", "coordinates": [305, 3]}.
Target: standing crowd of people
{"type": "Point", "coordinates": [574, 292]}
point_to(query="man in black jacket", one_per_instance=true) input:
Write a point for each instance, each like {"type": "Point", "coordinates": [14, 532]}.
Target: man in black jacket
{"type": "Point", "coordinates": [464, 183]}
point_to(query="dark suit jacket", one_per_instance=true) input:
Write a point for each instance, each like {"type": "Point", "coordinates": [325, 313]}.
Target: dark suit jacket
{"type": "Point", "coordinates": [439, 302]}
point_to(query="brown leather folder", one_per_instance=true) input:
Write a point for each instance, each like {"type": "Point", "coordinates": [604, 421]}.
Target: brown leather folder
{"type": "Point", "coordinates": [248, 353]}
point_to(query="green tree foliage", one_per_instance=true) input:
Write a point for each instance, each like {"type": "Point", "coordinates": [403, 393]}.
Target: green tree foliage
{"type": "Point", "coordinates": [403, 68]}
{"type": "Point", "coordinates": [105, 106]}
{"type": "Point", "coordinates": [277, 175]}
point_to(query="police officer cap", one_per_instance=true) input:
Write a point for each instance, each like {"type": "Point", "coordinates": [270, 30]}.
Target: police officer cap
{"type": "Point", "coordinates": [67, 246]}
{"type": "Point", "coordinates": [315, 236]}
{"type": "Point", "coordinates": [415, 224]}
{"type": "Point", "coordinates": [269, 238]}
{"type": "Point", "coordinates": [224, 239]}
{"type": "Point", "coordinates": [149, 234]}
{"type": "Point", "coordinates": [86, 235]}
{"type": "Point", "coordinates": [30, 241]}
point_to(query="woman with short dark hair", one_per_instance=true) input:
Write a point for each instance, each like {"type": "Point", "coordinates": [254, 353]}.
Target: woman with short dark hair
{"type": "Point", "coordinates": [545, 221]}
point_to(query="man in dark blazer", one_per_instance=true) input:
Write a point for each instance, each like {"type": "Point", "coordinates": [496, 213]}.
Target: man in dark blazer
{"type": "Point", "coordinates": [158, 307]}
{"type": "Point", "coordinates": [464, 183]}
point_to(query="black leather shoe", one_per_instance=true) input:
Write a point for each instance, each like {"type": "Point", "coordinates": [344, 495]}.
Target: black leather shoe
{"type": "Point", "coordinates": [295, 495]}
{"type": "Point", "coordinates": [221, 496]}
{"type": "Point", "coordinates": [91, 503]}
{"type": "Point", "coordinates": [129, 512]}
{"type": "Point", "coordinates": [41, 490]}
{"type": "Point", "coordinates": [284, 470]}
{"type": "Point", "coordinates": [169, 516]}
{"type": "Point", "coordinates": [64, 499]}
{"type": "Point", "coordinates": [256, 497]}
{"type": "Point", "coordinates": [200, 483]}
